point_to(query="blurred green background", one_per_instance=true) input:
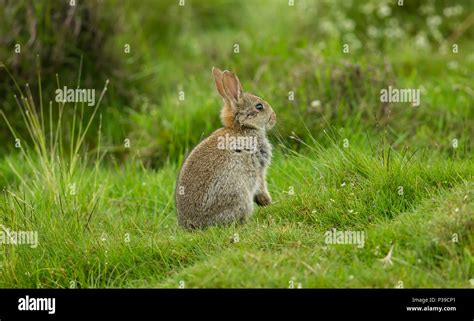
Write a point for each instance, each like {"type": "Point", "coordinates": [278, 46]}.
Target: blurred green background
{"type": "Point", "coordinates": [282, 49]}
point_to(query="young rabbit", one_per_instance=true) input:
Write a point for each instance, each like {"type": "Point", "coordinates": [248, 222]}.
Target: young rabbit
{"type": "Point", "coordinates": [223, 175]}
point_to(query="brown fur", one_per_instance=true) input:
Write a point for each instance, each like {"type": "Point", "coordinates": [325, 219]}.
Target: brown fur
{"type": "Point", "coordinates": [227, 116]}
{"type": "Point", "coordinates": [217, 186]}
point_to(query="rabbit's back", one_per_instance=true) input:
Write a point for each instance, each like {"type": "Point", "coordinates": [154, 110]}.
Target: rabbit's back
{"type": "Point", "coordinates": [216, 183]}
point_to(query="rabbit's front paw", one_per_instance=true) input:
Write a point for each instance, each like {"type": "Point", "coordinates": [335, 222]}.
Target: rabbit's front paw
{"type": "Point", "coordinates": [263, 199]}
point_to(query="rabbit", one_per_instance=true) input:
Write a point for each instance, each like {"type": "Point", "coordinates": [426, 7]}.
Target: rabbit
{"type": "Point", "coordinates": [225, 173]}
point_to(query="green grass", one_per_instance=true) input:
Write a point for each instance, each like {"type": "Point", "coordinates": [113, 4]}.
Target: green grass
{"type": "Point", "coordinates": [105, 214]}
{"type": "Point", "coordinates": [88, 245]}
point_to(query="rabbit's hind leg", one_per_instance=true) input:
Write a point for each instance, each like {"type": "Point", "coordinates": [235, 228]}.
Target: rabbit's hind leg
{"type": "Point", "coordinates": [238, 213]}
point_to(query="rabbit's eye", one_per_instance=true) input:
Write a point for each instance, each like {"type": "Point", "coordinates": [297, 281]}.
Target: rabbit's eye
{"type": "Point", "coordinates": [259, 106]}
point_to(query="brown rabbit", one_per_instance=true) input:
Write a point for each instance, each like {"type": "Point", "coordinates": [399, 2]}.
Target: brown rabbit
{"type": "Point", "coordinates": [225, 173]}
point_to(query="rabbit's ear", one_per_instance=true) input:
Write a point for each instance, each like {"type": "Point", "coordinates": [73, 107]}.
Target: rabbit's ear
{"type": "Point", "coordinates": [218, 75]}
{"type": "Point", "coordinates": [232, 86]}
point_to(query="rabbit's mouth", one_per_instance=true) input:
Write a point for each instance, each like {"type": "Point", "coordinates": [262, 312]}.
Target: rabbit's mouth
{"type": "Point", "coordinates": [271, 120]}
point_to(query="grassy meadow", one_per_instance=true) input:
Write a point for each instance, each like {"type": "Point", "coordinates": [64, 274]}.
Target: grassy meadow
{"type": "Point", "coordinates": [97, 183]}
